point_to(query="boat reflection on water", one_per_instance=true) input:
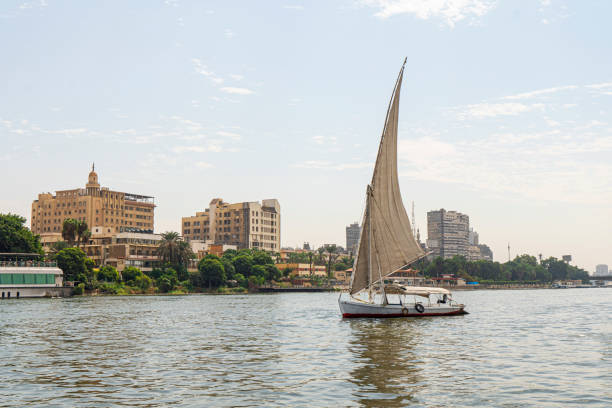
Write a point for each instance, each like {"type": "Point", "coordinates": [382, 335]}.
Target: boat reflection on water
{"type": "Point", "coordinates": [388, 370]}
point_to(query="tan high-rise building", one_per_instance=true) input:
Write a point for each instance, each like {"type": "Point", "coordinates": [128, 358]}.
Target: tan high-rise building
{"type": "Point", "coordinates": [104, 210]}
{"type": "Point", "coordinates": [246, 225]}
{"type": "Point", "coordinates": [448, 233]}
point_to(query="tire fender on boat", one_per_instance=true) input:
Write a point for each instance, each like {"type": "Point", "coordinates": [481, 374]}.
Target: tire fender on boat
{"type": "Point", "coordinates": [405, 311]}
{"type": "Point", "coordinates": [419, 308]}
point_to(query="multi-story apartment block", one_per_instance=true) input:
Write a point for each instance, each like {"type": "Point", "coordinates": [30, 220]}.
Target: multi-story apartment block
{"type": "Point", "coordinates": [303, 269]}
{"type": "Point", "coordinates": [124, 249]}
{"type": "Point", "coordinates": [448, 233]}
{"type": "Point", "coordinates": [107, 210]}
{"type": "Point", "coordinates": [352, 237]}
{"type": "Point", "coordinates": [246, 225]}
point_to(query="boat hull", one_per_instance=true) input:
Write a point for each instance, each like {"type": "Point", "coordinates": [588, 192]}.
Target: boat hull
{"type": "Point", "coordinates": [350, 309]}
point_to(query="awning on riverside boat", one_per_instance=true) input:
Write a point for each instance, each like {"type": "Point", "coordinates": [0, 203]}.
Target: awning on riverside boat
{"type": "Point", "coordinates": [415, 290]}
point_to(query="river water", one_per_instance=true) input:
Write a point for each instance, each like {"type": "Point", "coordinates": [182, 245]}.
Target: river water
{"type": "Point", "coordinates": [515, 348]}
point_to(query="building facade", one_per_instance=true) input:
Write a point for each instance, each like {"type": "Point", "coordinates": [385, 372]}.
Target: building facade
{"type": "Point", "coordinates": [303, 269]}
{"type": "Point", "coordinates": [124, 249]}
{"type": "Point", "coordinates": [100, 207]}
{"type": "Point", "coordinates": [352, 237]}
{"type": "Point", "coordinates": [601, 270]}
{"type": "Point", "coordinates": [448, 233]}
{"type": "Point", "coordinates": [246, 225]}
{"type": "Point", "coordinates": [473, 237]}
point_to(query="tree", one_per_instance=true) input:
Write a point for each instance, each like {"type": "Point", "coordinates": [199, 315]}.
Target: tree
{"type": "Point", "coordinates": [243, 264]}
{"type": "Point", "coordinates": [174, 250]}
{"type": "Point", "coordinates": [262, 258]}
{"type": "Point", "coordinates": [15, 237]}
{"type": "Point", "coordinates": [143, 282]}
{"type": "Point", "coordinates": [168, 280]}
{"type": "Point", "coordinates": [58, 246]}
{"type": "Point", "coordinates": [212, 272]}
{"type": "Point", "coordinates": [260, 272]}
{"type": "Point", "coordinates": [90, 264]}
{"type": "Point", "coordinates": [230, 254]}
{"type": "Point", "coordinates": [242, 281]}
{"type": "Point", "coordinates": [130, 274]}
{"type": "Point", "coordinates": [108, 274]}
{"type": "Point", "coordinates": [84, 236]}
{"type": "Point", "coordinates": [230, 271]}
{"type": "Point", "coordinates": [69, 231]}
{"type": "Point", "coordinates": [331, 250]}
{"type": "Point", "coordinates": [272, 272]}
{"type": "Point", "coordinates": [72, 262]}
{"type": "Point", "coordinates": [75, 231]}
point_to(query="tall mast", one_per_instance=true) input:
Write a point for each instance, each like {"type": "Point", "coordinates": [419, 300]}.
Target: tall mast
{"type": "Point", "coordinates": [368, 209]}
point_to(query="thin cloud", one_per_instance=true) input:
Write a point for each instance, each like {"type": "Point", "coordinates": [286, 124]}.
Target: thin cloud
{"type": "Point", "coordinates": [540, 92]}
{"type": "Point", "coordinates": [491, 110]}
{"type": "Point", "coordinates": [237, 91]}
{"type": "Point", "coordinates": [327, 165]}
{"type": "Point", "coordinates": [449, 11]}
{"type": "Point", "coordinates": [231, 135]}
{"type": "Point", "coordinates": [203, 70]}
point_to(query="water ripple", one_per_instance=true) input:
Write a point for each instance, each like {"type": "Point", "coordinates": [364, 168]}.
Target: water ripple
{"type": "Point", "coordinates": [516, 348]}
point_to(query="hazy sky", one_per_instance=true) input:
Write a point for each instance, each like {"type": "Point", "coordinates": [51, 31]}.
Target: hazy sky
{"type": "Point", "coordinates": [505, 111]}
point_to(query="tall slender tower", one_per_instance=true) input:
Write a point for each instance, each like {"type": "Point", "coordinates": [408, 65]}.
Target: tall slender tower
{"type": "Point", "coordinates": [508, 252]}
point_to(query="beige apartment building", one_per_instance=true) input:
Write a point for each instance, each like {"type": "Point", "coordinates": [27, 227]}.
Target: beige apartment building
{"type": "Point", "coordinates": [246, 225]}
{"type": "Point", "coordinates": [103, 210]}
{"type": "Point", "coordinates": [124, 249]}
{"type": "Point", "coordinates": [303, 269]}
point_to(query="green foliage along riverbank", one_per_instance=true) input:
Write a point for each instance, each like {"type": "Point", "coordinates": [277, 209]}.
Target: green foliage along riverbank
{"type": "Point", "coordinates": [523, 268]}
{"type": "Point", "coordinates": [236, 271]}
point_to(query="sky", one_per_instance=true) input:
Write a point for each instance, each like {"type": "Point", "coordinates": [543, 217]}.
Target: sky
{"type": "Point", "coordinates": [505, 111]}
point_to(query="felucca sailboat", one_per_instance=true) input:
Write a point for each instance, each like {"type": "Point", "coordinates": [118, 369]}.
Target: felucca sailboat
{"type": "Point", "coordinates": [387, 243]}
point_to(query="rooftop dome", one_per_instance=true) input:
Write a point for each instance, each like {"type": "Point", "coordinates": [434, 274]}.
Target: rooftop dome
{"type": "Point", "coordinates": [93, 176]}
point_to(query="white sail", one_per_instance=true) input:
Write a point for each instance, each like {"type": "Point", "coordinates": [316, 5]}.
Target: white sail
{"type": "Point", "coordinates": [387, 242]}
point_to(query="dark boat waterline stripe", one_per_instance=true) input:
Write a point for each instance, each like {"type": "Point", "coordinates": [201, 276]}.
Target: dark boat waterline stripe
{"type": "Point", "coordinates": [351, 315]}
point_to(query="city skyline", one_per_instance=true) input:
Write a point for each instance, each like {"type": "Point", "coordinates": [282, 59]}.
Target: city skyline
{"type": "Point", "coordinates": [504, 113]}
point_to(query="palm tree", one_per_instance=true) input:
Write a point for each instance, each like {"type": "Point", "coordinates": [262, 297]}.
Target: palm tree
{"type": "Point", "coordinates": [310, 256]}
{"type": "Point", "coordinates": [331, 257]}
{"type": "Point", "coordinates": [85, 235]}
{"type": "Point", "coordinates": [69, 231]}
{"type": "Point", "coordinates": [174, 250]}
{"type": "Point", "coordinates": [75, 231]}
{"type": "Point", "coordinates": [82, 233]}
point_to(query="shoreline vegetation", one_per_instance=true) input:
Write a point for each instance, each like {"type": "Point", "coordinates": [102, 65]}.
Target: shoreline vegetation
{"type": "Point", "coordinates": [245, 270]}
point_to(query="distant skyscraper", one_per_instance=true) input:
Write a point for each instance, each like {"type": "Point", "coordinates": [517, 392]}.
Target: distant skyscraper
{"type": "Point", "coordinates": [473, 237]}
{"type": "Point", "coordinates": [306, 246]}
{"type": "Point", "coordinates": [352, 237]}
{"type": "Point", "coordinates": [601, 270]}
{"type": "Point", "coordinates": [448, 233]}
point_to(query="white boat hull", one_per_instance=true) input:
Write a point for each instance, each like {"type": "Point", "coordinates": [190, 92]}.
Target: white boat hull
{"type": "Point", "coordinates": [352, 308]}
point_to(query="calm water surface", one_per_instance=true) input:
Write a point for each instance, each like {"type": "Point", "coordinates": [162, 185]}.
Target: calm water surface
{"type": "Point", "coordinates": [516, 348]}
